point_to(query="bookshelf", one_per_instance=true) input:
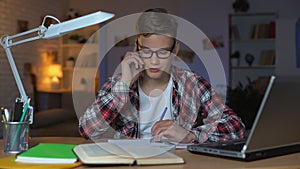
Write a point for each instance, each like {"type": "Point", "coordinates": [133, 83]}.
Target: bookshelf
{"type": "Point", "coordinates": [251, 34]}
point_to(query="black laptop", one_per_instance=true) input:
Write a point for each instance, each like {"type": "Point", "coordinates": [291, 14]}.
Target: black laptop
{"type": "Point", "coordinates": [275, 131]}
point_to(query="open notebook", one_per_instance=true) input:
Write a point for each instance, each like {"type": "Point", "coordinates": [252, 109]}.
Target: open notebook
{"type": "Point", "coordinates": [275, 130]}
{"type": "Point", "coordinates": [130, 152]}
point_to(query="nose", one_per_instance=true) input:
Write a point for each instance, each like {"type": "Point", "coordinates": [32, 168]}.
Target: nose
{"type": "Point", "coordinates": [154, 59]}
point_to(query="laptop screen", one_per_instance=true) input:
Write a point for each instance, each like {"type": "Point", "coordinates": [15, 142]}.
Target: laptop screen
{"type": "Point", "coordinates": [277, 123]}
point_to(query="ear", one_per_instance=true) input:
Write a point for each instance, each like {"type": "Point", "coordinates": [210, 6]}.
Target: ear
{"type": "Point", "coordinates": [176, 48]}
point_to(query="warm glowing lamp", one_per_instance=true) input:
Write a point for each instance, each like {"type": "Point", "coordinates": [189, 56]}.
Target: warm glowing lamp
{"type": "Point", "coordinates": [55, 73]}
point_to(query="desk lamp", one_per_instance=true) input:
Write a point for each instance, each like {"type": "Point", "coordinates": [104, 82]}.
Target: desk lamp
{"type": "Point", "coordinates": [43, 32]}
{"type": "Point", "coordinates": [55, 73]}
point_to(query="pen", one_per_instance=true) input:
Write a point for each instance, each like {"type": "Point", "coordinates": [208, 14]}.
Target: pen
{"type": "Point", "coordinates": [163, 114]}
{"type": "Point", "coordinates": [2, 114]}
{"type": "Point", "coordinates": [18, 110]}
{"type": "Point", "coordinates": [7, 114]}
{"type": "Point", "coordinates": [3, 118]}
{"type": "Point", "coordinates": [24, 111]}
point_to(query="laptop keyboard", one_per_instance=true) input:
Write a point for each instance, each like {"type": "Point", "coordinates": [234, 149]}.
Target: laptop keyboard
{"type": "Point", "coordinates": [236, 145]}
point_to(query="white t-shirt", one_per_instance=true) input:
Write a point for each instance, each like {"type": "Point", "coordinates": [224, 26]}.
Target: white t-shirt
{"type": "Point", "coordinates": [151, 109]}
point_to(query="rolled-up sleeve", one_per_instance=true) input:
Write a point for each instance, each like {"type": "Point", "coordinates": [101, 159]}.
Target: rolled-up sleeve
{"type": "Point", "coordinates": [219, 122]}
{"type": "Point", "coordinates": [97, 118]}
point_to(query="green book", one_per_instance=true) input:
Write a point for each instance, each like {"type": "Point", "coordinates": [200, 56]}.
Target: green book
{"type": "Point", "coordinates": [48, 153]}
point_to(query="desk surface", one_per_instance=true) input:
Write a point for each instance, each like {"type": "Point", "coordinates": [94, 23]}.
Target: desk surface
{"type": "Point", "coordinates": [291, 161]}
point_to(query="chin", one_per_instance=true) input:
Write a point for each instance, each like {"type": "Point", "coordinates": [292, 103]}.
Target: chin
{"type": "Point", "coordinates": [156, 75]}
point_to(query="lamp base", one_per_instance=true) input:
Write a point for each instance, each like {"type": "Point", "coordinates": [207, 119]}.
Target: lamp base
{"type": "Point", "coordinates": [54, 86]}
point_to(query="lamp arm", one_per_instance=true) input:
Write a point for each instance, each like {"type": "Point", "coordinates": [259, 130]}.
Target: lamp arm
{"type": "Point", "coordinates": [24, 97]}
{"type": "Point", "coordinates": [7, 42]}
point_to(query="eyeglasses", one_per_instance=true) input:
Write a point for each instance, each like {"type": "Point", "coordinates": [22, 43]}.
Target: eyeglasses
{"type": "Point", "coordinates": [162, 53]}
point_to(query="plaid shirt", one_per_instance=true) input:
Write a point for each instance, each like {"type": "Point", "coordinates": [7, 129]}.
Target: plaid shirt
{"type": "Point", "coordinates": [195, 107]}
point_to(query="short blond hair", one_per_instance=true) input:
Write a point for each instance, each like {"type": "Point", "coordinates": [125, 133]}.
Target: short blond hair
{"type": "Point", "coordinates": [156, 21]}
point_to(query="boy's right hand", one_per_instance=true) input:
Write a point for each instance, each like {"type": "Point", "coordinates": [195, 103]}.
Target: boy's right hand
{"type": "Point", "coordinates": [131, 66]}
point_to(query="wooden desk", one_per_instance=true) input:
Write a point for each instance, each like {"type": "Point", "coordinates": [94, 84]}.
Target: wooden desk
{"type": "Point", "coordinates": [192, 161]}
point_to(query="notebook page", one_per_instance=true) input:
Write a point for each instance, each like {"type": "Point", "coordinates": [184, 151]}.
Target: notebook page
{"type": "Point", "coordinates": [113, 149]}
{"type": "Point", "coordinates": [142, 148]}
{"type": "Point", "coordinates": [142, 143]}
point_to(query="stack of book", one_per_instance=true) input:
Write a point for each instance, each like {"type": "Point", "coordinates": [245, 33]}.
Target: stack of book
{"type": "Point", "coordinates": [263, 31]}
{"type": "Point", "coordinates": [267, 57]}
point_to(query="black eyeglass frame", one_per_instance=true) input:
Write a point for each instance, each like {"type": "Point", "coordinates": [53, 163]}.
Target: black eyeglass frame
{"type": "Point", "coordinates": [156, 52]}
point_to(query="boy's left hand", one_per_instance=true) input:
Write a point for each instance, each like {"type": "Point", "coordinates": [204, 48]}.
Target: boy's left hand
{"type": "Point", "coordinates": [171, 131]}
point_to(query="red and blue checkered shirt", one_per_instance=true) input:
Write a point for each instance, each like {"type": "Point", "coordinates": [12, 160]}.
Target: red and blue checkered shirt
{"type": "Point", "coordinates": [195, 106]}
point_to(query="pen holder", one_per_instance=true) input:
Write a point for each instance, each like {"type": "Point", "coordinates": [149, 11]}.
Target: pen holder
{"type": "Point", "coordinates": [15, 136]}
